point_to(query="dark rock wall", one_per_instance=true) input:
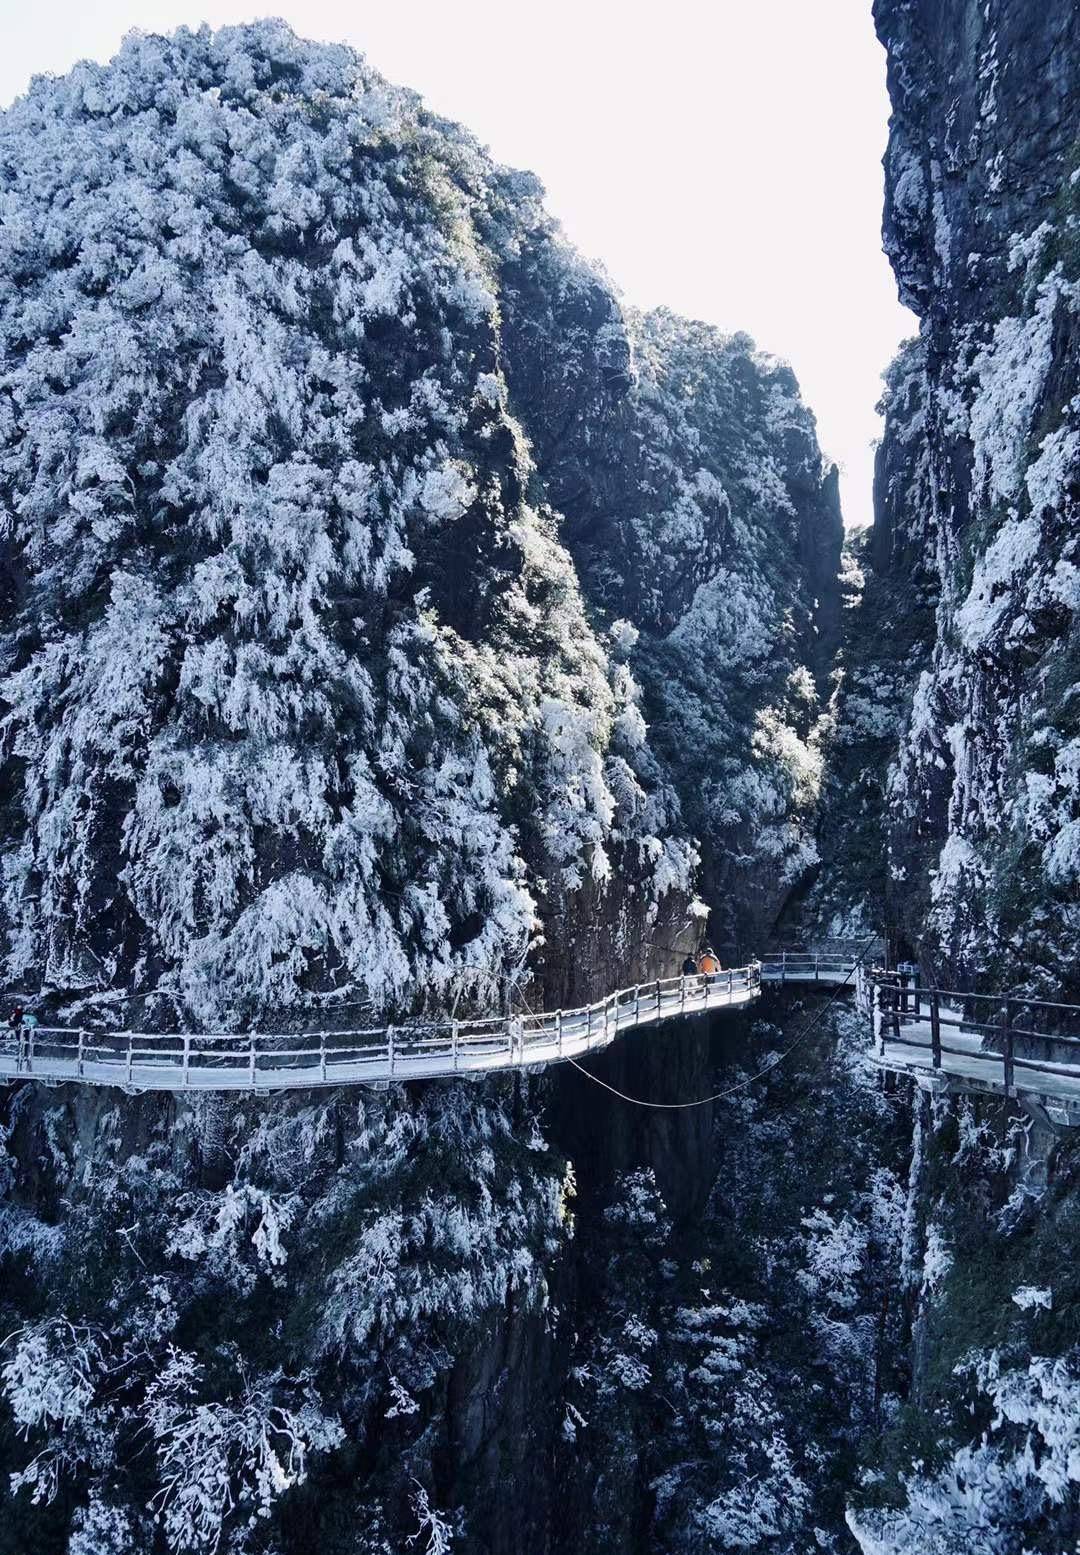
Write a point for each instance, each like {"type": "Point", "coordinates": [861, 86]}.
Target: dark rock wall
{"type": "Point", "coordinates": [972, 562]}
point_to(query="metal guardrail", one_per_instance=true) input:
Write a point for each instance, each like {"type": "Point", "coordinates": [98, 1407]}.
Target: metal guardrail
{"type": "Point", "coordinates": [1001, 1040]}
{"type": "Point", "coordinates": [253, 1061]}
{"type": "Point", "coordinates": [809, 966]}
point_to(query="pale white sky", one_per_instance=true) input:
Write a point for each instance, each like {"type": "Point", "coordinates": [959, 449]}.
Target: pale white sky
{"type": "Point", "coordinates": [718, 156]}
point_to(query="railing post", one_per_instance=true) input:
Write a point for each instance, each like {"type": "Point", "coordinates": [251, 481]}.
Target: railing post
{"type": "Point", "coordinates": [817, 965]}
{"type": "Point", "coordinates": [251, 1059]}
{"type": "Point", "coordinates": [935, 1027]}
{"type": "Point", "coordinates": [637, 1004]}
{"type": "Point", "coordinates": [558, 1031]}
{"type": "Point", "coordinates": [877, 1015]}
{"type": "Point", "coordinates": [783, 967]}
{"type": "Point", "coordinates": [79, 1059]}
{"type": "Point", "coordinates": [187, 1058]}
{"type": "Point", "coordinates": [322, 1055]}
{"type": "Point", "coordinates": [390, 1046]}
{"type": "Point", "coordinates": [730, 990]}
{"type": "Point", "coordinates": [658, 998]}
{"type": "Point", "coordinates": [454, 1042]}
{"type": "Point", "coordinates": [129, 1054]}
{"type": "Point", "coordinates": [1007, 1046]}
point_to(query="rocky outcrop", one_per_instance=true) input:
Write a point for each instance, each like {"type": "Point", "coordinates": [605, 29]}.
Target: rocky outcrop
{"type": "Point", "coordinates": [953, 801]}
{"type": "Point", "coordinates": [357, 537]}
{"type": "Point", "coordinates": [975, 543]}
{"type": "Point", "coordinates": [697, 507]}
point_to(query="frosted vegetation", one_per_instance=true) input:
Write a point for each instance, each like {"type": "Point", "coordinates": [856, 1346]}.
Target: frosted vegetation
{"type": "Point", "coordinates": [302, 692]}
{"type": "Point", "coordinates": [981, 742]}
{"type": "Point", "coordinates": [391, 604]}
{"type": "Point", "coordinates": [267, 1357]}
{"type": "Point", "coordinates": [697, 505]}
{"type": "Point", "coordinates": [987, 1455]}
{"type": "Point", "coordinates": [994, 712]}
{"type": "Point", "coordinates": [393, 615]}
{"type": "Point", "coordinates": [300, 675]}
{"type": "Point", "coordinates": [737, 1370]}
{"type": "Point", "coordinates": [234, 1334]}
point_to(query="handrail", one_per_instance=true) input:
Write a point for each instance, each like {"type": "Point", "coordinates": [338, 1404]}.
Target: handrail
{"type": "Point", "coordinates": [921, 1020]}
{"type": "Point", "coordinates": [808, 966]}
{"type": "Point", "coordinates": [208, 1061]}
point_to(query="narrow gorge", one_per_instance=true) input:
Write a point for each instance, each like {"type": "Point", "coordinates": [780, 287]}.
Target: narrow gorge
{"type": "Point", "coordinates": [396, 624]}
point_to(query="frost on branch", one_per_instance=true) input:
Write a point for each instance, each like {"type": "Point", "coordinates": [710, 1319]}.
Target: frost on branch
{"type": "Point", "coordinates": [215, 1457]}
{"type": "Point", "coordinates": [434, 1535]}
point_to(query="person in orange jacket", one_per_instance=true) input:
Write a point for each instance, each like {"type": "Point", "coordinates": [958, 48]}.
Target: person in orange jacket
{"type": "Point", "coordinates": [709, 962]}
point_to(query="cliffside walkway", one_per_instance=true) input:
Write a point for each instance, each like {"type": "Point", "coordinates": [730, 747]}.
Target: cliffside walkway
{"type": "Point", "coordinates": [944, 1038]}
{"type": "Point", "coordinates": [950, 1040]}
{"type": "Point", "coordinates": [254, 1061]}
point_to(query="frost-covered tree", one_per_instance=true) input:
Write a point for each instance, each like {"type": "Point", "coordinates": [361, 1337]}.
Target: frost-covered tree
{"type": "Point", "coordinates": [190, 1353]}
{"type": "Point", "coordinates": [730, 1366]}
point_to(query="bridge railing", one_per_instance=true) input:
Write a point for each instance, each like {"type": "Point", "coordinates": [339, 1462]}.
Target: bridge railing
{"type": "Point", "coordinates": [239, 1060]}
{"type": "Point", "coordinates": [807, 966]}
{"type": "Point", "coordinates": [993, 1034]}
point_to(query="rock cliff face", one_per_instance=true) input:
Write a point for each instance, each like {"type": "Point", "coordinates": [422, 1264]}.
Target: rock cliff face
{"type": "Point", "coordinates": [696, 506]}
{"type": "Point", "coordinates": [953, 796]}
{"type": "Point", "coordinates": [975, 541]}
{"type": "Point", "coordinates": [386, 608]}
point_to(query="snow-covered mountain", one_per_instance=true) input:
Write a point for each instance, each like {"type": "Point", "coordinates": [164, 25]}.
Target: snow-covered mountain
{"type": "Point", "coordinates": [394, 619]}
{"type": "Point", "coordinates": [331, 480]}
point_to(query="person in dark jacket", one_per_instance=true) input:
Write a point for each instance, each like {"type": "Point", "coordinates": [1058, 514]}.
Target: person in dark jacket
{"type": "Point", "coordinates": [689, 967]}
